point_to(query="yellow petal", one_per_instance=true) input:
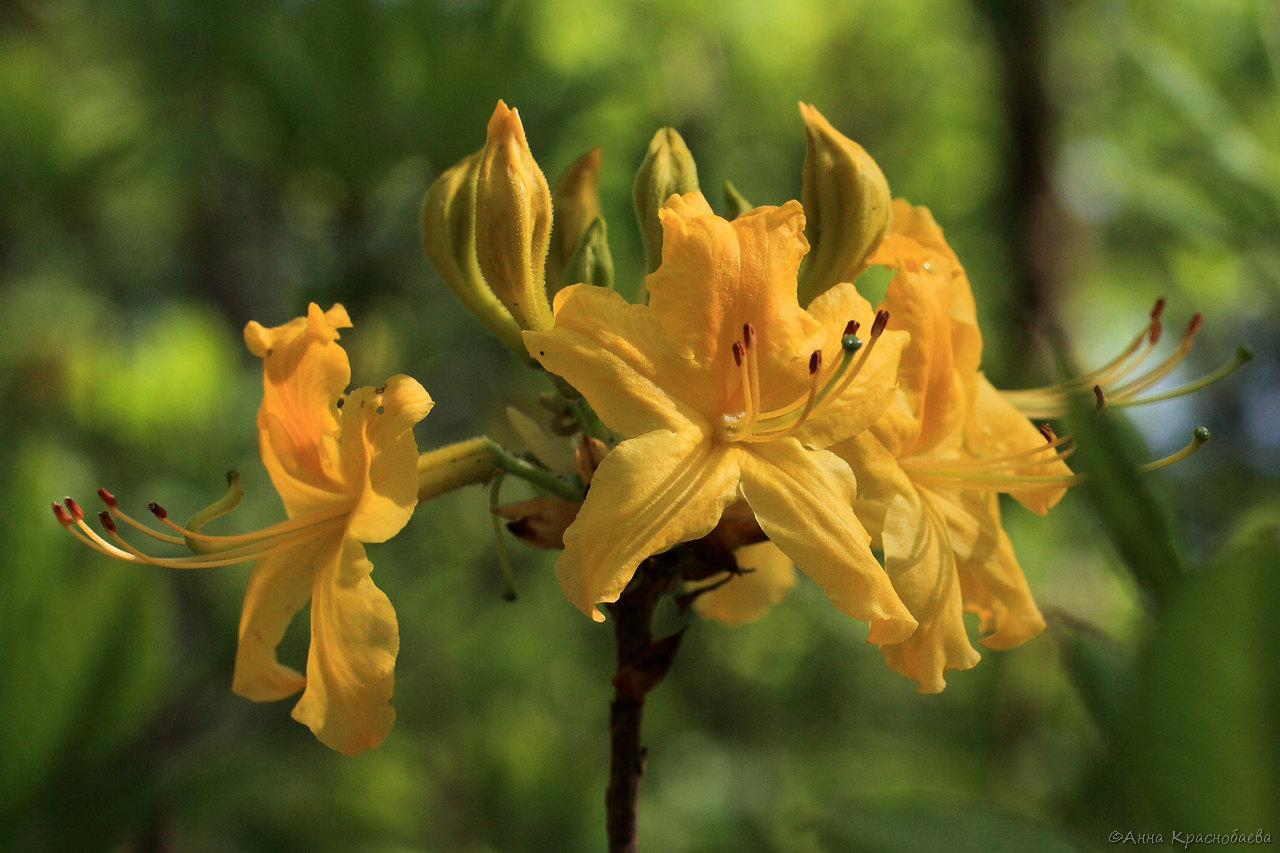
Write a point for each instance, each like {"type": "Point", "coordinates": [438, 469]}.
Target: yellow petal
{"type": "Point", "coordinates": [618, 356]}
{"type": "Point", "coordinates": [991, 581]}
{"type": "Point", "coordinates": [996, 428]}
{"type": "Point", "coordinates": [304, 373]}
{"type": "Point", "coordinates": [865, 400]}
{"type": "Point", "coordinates": [919, 559]}
{"type": "Point", "coordinates": [650, 493]}
{"type": "Point", "coordinates": [717, 275]}
{"type": "Point", "coordinates": [279, 586]}
{"type": "Point", "coordinates": [802, 500]}
{"type": "Point", "coordinates": [351, 663]}
{"type": "Point", "coordinates": [380, 456]}
{"type": "Point", "coordinates": [767, 578]}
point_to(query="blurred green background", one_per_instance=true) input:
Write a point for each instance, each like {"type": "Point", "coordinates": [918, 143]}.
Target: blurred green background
{"type": "Point", "coordinates": [169, 171]}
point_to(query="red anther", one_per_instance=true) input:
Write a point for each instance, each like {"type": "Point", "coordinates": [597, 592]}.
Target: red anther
{"type": "Point", "coordinates": [739, 352]}
{"type": "Point", "coordinates": [815, 361]}
{"type": "Point", "coordinates": [61, 514]}
{"type": "Point", "coordinates": [157, 510]}
{"type": "Point", "coordinates": [851, 327]}
{"type": "Point", "coordinates": [1100, 397]}
{"type": "Point", "coordinates": [1048, 433]}
{"type": "Point", "coordinates": [1158, 309]}
{"type": "Point", "coordinates": [107, 498]}
{"type": "Point", "coordinates": [748, 335]}
{"type": "Point", "coordinates": [74, 508]}
{"type": "Point", "coordinates": [1154, 334]}
{"type": "Point", "coordinates": [105, 519]}
{"type": "Point", "coordinates": [1194, 326]}
{"type": "Point", "coordinates": [882, 320]}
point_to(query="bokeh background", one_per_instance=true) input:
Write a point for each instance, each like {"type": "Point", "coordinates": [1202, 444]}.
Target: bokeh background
{"type": "Point", "coordinates": [169, 171]}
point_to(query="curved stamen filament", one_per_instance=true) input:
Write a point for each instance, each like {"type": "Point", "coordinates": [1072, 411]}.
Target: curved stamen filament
{"type": "Point", "coordinates": [1242, 356]}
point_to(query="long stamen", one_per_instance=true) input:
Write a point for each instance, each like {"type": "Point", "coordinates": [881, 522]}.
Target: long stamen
{"type": "Point", "coordinates": [1165, 367]}
{"type": "Point", "coordinates": [1243, 355]}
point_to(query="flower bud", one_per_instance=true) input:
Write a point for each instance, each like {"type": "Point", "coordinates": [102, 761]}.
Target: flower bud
{"type": "Point", "coordinates": [591, 262]}
{"type": "Point", "coordinates": [455, 465]}
{"type": "Point", "coordinates": [513, 221]}
{"type": "Point", "coordinates": [668, 169]}
{"type": "Point", "coordinates": [576, 201]}
{"type": "Point", "coordinates": [448, 225]}
{"type": "Point", "coordinates": [846, 206]}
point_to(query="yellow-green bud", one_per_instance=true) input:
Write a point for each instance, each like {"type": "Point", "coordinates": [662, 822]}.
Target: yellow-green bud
{"type": "Point", "coordinates": [734, 203]}
{"type": "Point", "coordinates": [576, 202]}
{"type": "Point", "coordinates": [513, 221]}
{"type": "Point", "coordinates": [668, 169]}
{"type": "Point", "coordinates": [846, 207]}
{"type": "Point", "coordinates": [454, 466]}
{"type": "Point", "coordinates": [448, 225]}
{"type": "Point", "coordinates": [591, 262]}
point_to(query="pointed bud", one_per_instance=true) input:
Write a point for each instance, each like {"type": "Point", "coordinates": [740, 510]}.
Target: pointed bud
{"type": "Point", "coordinates": [591, 262]}
{"type": "Point", "coordinates": [448, 225]}
{"type": "Point", "coordinates": [513, 221]}
{"type": "Point", "coordinates": [734, 203]}
{"type": "Point", "coordinates": [576, 203]}
{"type": "Point", "coordinates": [846, 207]}
{"type": "Point", "coordinates": [668, 169]}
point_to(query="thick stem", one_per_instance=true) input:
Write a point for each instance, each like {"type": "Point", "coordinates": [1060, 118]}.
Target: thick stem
{"type": "Point", "coordinates": [641, 664]}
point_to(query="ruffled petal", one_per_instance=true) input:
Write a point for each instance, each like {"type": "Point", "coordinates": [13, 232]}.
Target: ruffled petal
{"type": "Point", "coordinates": [380, 456]}
{"type": "Point", "coordinates": [279, 587]}
{"type": "Point", "coordinates": [920, 562]}
{"type": "Point", "coordinates": [802, 500]}
{"type": "Point", "coordinates": [768, 576]}
{"type": "Point", "coordinates": [991, 581]}
{"type": "Point", "coordinates": [304, 373]}
{"type": "Point", "coordinates": [650, 493]}
{"type": "Point", "coordinates": [868, 396]}
{"type": "Point", "coordinates": [351, 663]}
{"type": "Point", "coordinates": [618, 356]}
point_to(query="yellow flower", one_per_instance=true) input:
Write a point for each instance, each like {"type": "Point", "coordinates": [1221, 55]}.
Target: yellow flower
{"type": "Point", "coordinates": [345, 466]}
{"type": "Point", "coordinates": [929, 472]}
{"type": "Point", "coordinates": [725, 388]}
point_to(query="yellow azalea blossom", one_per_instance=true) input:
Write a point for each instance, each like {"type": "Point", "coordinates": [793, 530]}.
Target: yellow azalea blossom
{"type": "Point", "coordinates": [725, 389]}
{"type": "Point", "coordinates": [929, 471]}
{"type": "Point", "coordinates": [345, 466]}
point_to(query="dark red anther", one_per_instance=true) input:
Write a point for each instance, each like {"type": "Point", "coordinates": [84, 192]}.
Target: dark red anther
{"type": "Point", "coordinates": [107, 498]}
{"type": "Point", "coordinates": [739, 352]}
{"type": "Point", "coordinates": [815, 361]}
{"type": "Point", "coordinates": [748, 335]}
{"type": "Point", "coordinates": [1156, 329]}
{"type": "Point", "coordinates": [61, 514]}
{"type": "Point", "coordinates": [882, 320]}
{"type": "Point", "coordinates": [157, 510]}
{"type": "Point", "coordinates": [105, 519]}
{"type": "Point", "coordinates": [1194, 326]}
{"type": "Point", "coordinates": [1158, 309]}
{"type": "Point", "coordinates": [851, 327]}
{"type": "Point", "coordinates": [1100, 397]}
{"type": "Point", "coordinates": [1048, 433]}
{"type": "Point", "coordinates": [74, 508]}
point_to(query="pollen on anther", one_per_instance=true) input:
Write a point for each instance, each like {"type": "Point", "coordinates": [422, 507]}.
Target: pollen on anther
{"type": "Point", "coordinates": [107, 498]}
{"type": "Point", "coordinates": [157, 510]}
{"type": "Point", "coordinates": [882, 320]}
{"type": "Point", "coordinates": [105, 519]}
{"type": "Point", "coordinates": [748, 335]}
{"type": "Point", "coordinates": [815, 361]}
{"type": "Point", "coordinates": [74, 508]}
{"type": "Point", "coordinates": [739, 352]}
{"type": "Point", "coordinates": [61, 514]}
{"type": "Point", "coordinates": [851, 327]}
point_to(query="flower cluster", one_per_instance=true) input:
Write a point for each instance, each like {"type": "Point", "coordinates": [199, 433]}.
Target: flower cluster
{"type": "Point", "coordinates": [754, 410]}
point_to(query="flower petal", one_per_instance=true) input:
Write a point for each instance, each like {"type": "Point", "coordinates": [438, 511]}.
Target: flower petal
{"type": "Point", "coordinates": [619, 357]}
{"type": "Point", "coordinates": [650, 493]}
{"type": "Point", "coordinates": [919, 559]}
{"type": "Point", "coordinates": [996, 428]}
{"type": "Point", "coordinates": [767, 578]}
{"type": "Point", "coordinates": [351, 663]}
{"type": "Point", "coordinates": [279, 587]}
{"type": "Point", "coordinates": [380, 456]}
{"type": "Point", "coordinates": [802, 500]}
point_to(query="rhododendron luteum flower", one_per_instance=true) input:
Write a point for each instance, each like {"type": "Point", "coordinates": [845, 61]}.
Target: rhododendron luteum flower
{"type": "Point", "coordinates": [930, 469]}
{"type": "Point", "coordinates": [345, 466]}
{"type": "Point", "coordinates": [725, 388]}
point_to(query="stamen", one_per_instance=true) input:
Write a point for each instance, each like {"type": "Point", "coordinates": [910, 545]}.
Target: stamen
{"type": "Point", "coordinates": [74, 508]}
{"type": "Point", "coordinates": [1101, 398]}
{"type": "Point", "coordinates": [107, 498]}
{"type": "Point", "coordinates": [157, 510]}
{"type": "Point", "coordinates": [815, 362]}
{"type": "Point", "coordinates": [1199, 437]}
{"type": "Point", "coordinates": [1243, 355]}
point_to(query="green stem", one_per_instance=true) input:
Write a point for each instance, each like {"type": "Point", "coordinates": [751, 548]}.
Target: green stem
{"type": "Point", "coordinates": [477, 460]}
